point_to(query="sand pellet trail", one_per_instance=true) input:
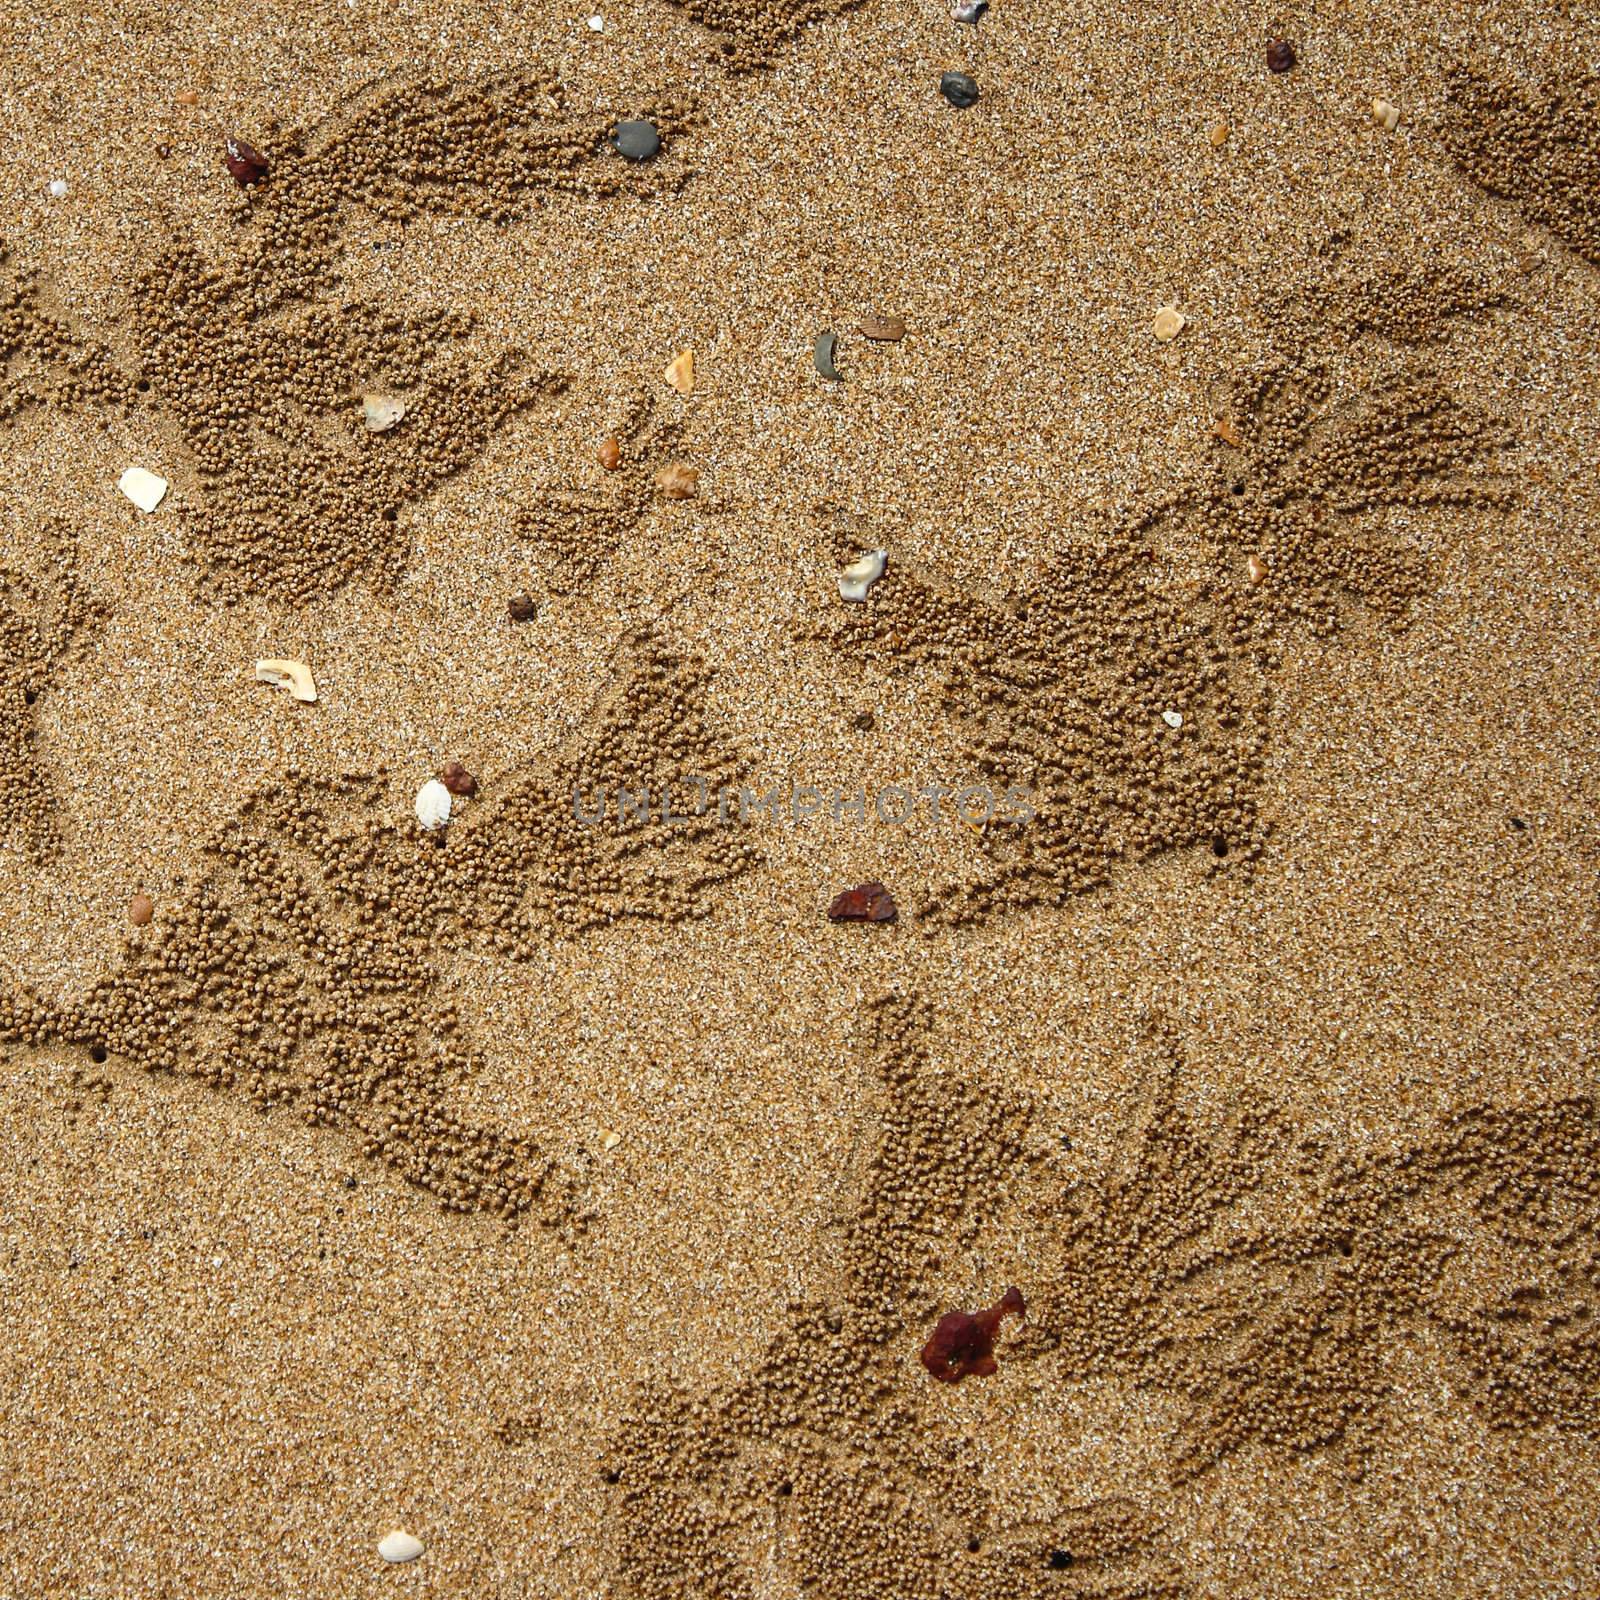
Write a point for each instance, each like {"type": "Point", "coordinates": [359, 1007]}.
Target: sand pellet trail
{"type": "Point", "coordinates": [798, 800]}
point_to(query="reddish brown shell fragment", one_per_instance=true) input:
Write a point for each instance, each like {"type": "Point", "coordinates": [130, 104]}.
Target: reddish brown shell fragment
{"type": "Point", "coordinates": [245, 164]}
{"type": "Point", "coordinates": [871, 902]}
{"type": "Point", "coordinates": [891, 329]}
{"type": "Point", "coordinates": [458, 780]}
{"type": "Point", "coordinates": [962, 1345]}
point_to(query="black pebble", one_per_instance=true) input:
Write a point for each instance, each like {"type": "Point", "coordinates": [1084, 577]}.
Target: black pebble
{"type": "Point", "coordinates": [638, 141]}
{"type": "Point", "coordinates": [959, 90]}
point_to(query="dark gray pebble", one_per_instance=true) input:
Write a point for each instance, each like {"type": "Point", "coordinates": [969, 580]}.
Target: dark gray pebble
{"type": "Point", "coordinates": [638, 141]}
{"type": "Point", "coordinates": [959, 90]}
{"type": "Point", "coordinates": [822, 355]}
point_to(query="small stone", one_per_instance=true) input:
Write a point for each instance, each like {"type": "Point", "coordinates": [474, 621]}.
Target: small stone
{"type": "Point", "coordinates": [611, 455]}
{"type": "Point", "coordinates": [1280, 56]}
{"type": "Point", "coordinates": [822, 355]}
{"type": "Point", "coordinates": [1173, 719]}
{"type": "Point", "coordinates": [458, 780]}
{"type": "Point", "coordinates": [861, 574]}
{"type": "Point", "coordinates": [380, 413]}
{"type": "Point", "coordinates": [245, 164]}
{"type": "Point", "coordinates": [400, 1546]}
{"type": "Point", "coordinates": [960, 90]}
{"type": "Point", "coordinates": [295, 676]}
{"type": "Point", "coordinates": [637, 141]}
{"type": "Point", "coordinates": [522, 608]}
{"type": "Point", "coordinates": [188, 97]}
{"type": "Point", "coordinates": [1386, 114]}
{"type": "Point", "coordinates": [1219, 135]}
{"type": "Point", "coordinates": [888, 328]}
{"type": "Point", "coordinates": [870, 902]}
{"type": "Point", "coordinates": [865, 721]}
{"type": "Point", "coordinates": [1227, 432]}
{"type": "Point", "coordinates": [1169, 323]}
{"type": "Point", "coordinates": [145, 489]}
{"type": "Point", "coordinates": [433, 812]}
{"type": "Point", "coordinates": [680, 372]}
{"type": "Point", "coordinates": [597, 24]}
{"type": "Point", "coordinates": [971, 11]}
{"type": "Point", "coordinates": [140, 910]}
{"type": "Point", "coordinates": [611, 1140]}
{"type": "Point", "coordinates": [58, 188]}
{"type": "Point", "coordinates": [677, 480]}
{"type": "Point", "coordinates": [1256, 567]}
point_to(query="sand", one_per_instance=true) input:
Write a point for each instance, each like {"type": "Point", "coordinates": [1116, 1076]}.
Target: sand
{"type": "Point", "coordinates": [1289, 1145]}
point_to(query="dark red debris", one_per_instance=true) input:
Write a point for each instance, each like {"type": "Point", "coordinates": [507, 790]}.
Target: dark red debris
{"type": "Point", "coordinates": [458, 780]}
{"type": "Point", "coordinates": [246, 164]}
{"type": "Point", "coordinates": [962, 1345]}
{"type": "Point", "coordinates": [869, 903]}
{"type": "Point", "coordinates": [1280, 56]}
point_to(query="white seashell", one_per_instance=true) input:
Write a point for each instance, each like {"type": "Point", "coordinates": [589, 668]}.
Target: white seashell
{"type": "Point", "coordinates": [400, 1546]}
{"type": "Point", "coordinates": [295, 676]}
{"type": "Point", "coordinates": [433, 805]}
{"type": "Point", "coordinates": [1173, 719]}
{"type": "Point", "coordinates": [861, 574]}
{"type": "Point", "coordinates": [380, 413]}
{"type": "Point", "coordinates": [1386, 114]}
{"type": "Point", "coordinates": [58, 188]}
{"type": "Point", "coordinates": [145, 489]}
{"type": "Point", "coordinates": [292, 676]}
{"type": "Point", "coordinates": [597, 24]}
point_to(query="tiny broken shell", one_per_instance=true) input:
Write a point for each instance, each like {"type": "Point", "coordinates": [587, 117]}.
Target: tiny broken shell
{"type": "Point", "coordinates": [677, 480]}
{"type": "Point", "coordinates": [433, 805]}
{"type": "Point", "coordinates": [458, 780]}
{"type": "Point", "coordinates": [822, 355]}
{"type": "Point", "coordinates": [1219, 135]}
{"type": "Point", "coordinates": [295, 676]}
{"type": "Point", "coordinates": [680, 372]}
{"type": "Point", "coordinates": [380, 412]}
{"type": "Point", "coordinates": [1386, 114]}
{"type": "Point", "coordinates": [245, 164]}
{"type": "Point", "coordinates": [861, 574]}
{"type": "Point", "coordinates": [1169, 323]}
{"type": "Point", "coordinates": [868, 902]}
{"type": "Point", "coordinates": [1256, 567]}
{"type": "Point", "coordinates": [1173, 719]}
{"type": "Point", "coordinates": [611, 454]}
{"type": "Point", "coordinates": [889, 328]}
{"type": "Point", "coordinates": [1227, 432]}
{"type": "Point", "coordinates": [145, 489]}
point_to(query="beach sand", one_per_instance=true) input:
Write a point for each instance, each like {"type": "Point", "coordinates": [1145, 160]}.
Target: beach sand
{"type": "Point", "coordinates": [1265, 1070]}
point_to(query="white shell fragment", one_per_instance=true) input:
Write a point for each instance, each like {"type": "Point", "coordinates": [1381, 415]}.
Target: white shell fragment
{"type": "Point", "coordinates": [1386, 114]}
{"type": "Point", "coordinates": [400, 1546]}
{"type": "Point", "coordinates": [433, 811]}
{"type": "Point", "coordinates": [295, 676]}
{"type": "Point", "coordinates": [145, 489]}
{"type": "Point", "coordinates": [1173, 719]}
{"type": "Point", "coordinates": [861, 574]}
{"type": "Point", "coordinates": [58, 188]}
{"type": "Point", "coordinates": [597, 24]}
{"type": "Point", "coordinates": [380, 413]}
